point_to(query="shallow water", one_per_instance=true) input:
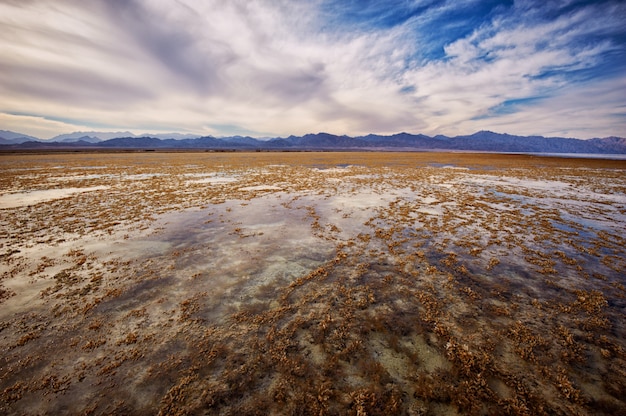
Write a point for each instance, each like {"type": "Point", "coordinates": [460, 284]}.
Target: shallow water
{"type": "Point", "coordinates": [313, 283]}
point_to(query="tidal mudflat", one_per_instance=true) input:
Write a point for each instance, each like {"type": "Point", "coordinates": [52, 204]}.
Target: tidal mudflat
{"type": "Point", "coordinates": [312, 283]}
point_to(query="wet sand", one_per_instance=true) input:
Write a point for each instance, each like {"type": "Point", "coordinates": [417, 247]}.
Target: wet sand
{"type": "Point", "coordinates": [312, 283]}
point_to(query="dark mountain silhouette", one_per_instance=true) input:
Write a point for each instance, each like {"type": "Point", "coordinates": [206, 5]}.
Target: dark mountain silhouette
{"type": "Point", "coordinates": [494, 142]}
{"type": "Point", "coordinates": [610, 144]}
{"type": "Point", "coordinates": [407, 140]}
{"type": "Point", "coordinates": [480, 141]}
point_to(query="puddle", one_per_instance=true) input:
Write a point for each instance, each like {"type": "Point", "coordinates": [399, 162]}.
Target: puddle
{"type": "Point", "coordinates": [231, 252]}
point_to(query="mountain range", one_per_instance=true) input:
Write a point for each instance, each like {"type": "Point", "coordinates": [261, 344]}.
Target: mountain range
{"type": "Point", "coordinates": [10, 137]}
{"type": "Point", "coordinates": [480, 141]}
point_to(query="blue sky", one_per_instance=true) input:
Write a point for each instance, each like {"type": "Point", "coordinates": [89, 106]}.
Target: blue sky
{"type": "Point", "coordinates": [279, 67]}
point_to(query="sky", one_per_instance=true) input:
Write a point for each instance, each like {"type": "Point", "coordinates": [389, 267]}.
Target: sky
{"type": "Point", "coordinates": [269, 68]}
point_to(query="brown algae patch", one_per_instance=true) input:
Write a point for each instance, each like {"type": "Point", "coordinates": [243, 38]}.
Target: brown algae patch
{"type": "Point", "coordinates": [312, 283]}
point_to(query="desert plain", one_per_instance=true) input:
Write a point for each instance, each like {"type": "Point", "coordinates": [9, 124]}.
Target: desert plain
{"type": "Point", "coordinates": [312, 283]}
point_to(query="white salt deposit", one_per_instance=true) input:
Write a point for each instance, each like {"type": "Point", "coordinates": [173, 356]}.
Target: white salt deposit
{"type": "Point", "coordinates": [215, 180]}
{"type": "Point", "coordinates": [261, 188]}
{"type": "Point", "coordinates": [22, 199]}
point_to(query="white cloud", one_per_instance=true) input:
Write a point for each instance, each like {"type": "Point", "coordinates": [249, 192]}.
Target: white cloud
{"type": "Point", "coordinates": [273, 68]}
{"type": "Point", "coordinates": [36, 126]}
{"type": "Point", "coordinates": [583, 112]}
{"type": "Point", "coordinates": [506, 61]}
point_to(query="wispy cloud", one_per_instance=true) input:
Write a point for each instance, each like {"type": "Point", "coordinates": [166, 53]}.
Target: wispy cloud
{"type": "Point", "coordinates": [515, 56]}
{"type": "Point", "coordinates": [289, 67]}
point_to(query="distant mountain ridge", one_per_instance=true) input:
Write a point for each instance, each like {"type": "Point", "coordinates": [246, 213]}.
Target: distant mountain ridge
{"type": "Point", "coordinates": [479, 141]}
{"type": "Point", "coordinates": [95, 136]}
{"type": "Point", "coordinates": [11, 137]}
